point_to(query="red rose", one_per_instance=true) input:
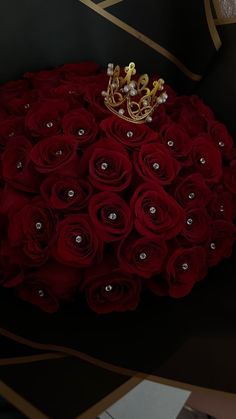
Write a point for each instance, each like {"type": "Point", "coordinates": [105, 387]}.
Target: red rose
{"type": "Point", "coordinates": [221, 137]}
{"type": "Point", "coordinates": [55, 153]}
{"type": "Point", "coordinates": [17, 168]}
{"type": "Point", "coordinates": [3, 114]}
{"type": "Point", "coordinates": [70, 92]}
{"type": "Point", "coordinates": [156, 212]}
{"type": "Point", "coordinates": [82, 125]}
{"type": "Point", "coordinates": [78, 244]}
{"type": "Point", "coordinates": [110, 215]}
{"type": "Point", "coordinates": [230, 176]}
{"type": "Point", "coordinates": [66, 193]}
{"type": "Point", "coordinates": [12, 200]}
{"type": "Point", "coordinates": [84, 68]}
{"type": "Point", "coordinates": [192, 191]}
{"type": "Point", "coordinates": [31, 233]}
{"type": "Point", "coordinates": [201, 108]}
{"type": "Point", "coordinates": [184, 268]}
{"type": "Point", "coordinates": [197, 226]}
{"type": "Point", "coordinates": [109, 289]}
{"type": "Point", "coordinates": [21, 105]}
{"type": "Point", "coordinates": [142, 256]}
{"type": "Point", "coordinates": [221, 242]}
{"type": "Point", "coordinates": [49, 284]}
{"type": "Point", "coordinates": [207, 159]}
{"type": "Point", "coordinates": [129, 134]}
{"type": "Point", "coordinates": [159, 118]}
{"type": "Point", "coordinates": [44, 118]}
{"type": "Point", "coordinates": [177, 142]}
{"type": "Point", "coordinates": [12, 89]}
{"type": "Point", "coordinates": [95, 100]}
{"type": "Point", "coordinates": [11, 127]}
{"type": "Point", "coordinates": [222, 205]}
{"type": "Point", "coordinates": [153, 162]}
{"type": "Point", "coordinates": [191, 113]}
{"type": "Point", "coordinates": [43, 80]}
{"type": "Point", "coordinates": [108, 166]}
{"type": "Point", "coordinates": [11, 274]}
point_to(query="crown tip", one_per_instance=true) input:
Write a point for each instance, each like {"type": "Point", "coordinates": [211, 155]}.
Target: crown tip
{"type": "Point", "coordinates": [132, 99]}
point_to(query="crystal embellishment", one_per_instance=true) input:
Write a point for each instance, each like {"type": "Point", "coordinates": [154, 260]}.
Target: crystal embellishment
{"type": "Point", "coordinates": [202, 160]}
{"type": "Point", "coordinates": [191, 195]}
{"type": "Point", "coordinates": [81, 132]}
{"type": "Point", "coordinates": [41, 293]}
{"type": "Point", "coordinates": [108, 288]}
{"type": "Point", "coordinates": [112, 216]}
{"type": "Point", "coordinates": [143, 256]}
{"type": "Point", "coordinates": [78, 239]}
{"type": "Point", "coordinates": [189, 221]}
{"type": "Point", "coordinates": [71, 193]}
{"type": "Point", "coordinates": [38, 225]}
{"type": "Point", "coordinates": [152, 210]}
{"type": "Point", "coordinates": [170, 143]}
{"type": "Point", "coordinates": [185, 266]}
{"type": "Point", "coordinates": [213, 246]}
{"type": "Point", "coordinates": [156, 166]}
{"type": "Point", "coordinates": [19, 165]}
{"type": "Point", "coordinates": [104, 166]}
{"type": "Point", "coordinates": [130, 134]}
{"type": "Point", "coordinates": [49, 124]}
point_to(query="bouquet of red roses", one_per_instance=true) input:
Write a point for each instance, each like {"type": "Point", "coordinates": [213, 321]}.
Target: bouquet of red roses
{"type": "Point", "coordinates": [93, 204]}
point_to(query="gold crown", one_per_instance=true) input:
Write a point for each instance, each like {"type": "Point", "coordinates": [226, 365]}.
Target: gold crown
{"type": "Point", "coordinates": [132, 100]}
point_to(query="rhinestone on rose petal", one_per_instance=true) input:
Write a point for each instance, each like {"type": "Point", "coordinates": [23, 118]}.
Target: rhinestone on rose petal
{"type": "Point", "coordinates": [49, 124]}
{"type": "Point", "coordinates": [27, 105]}
{"type": "Point", "coordinates": [189, 221]}
{"type": "Point", "coordinates": [19, 165]}
{"type": "Point", "coordinates": [191, 195]}
{"type": "Point", "coordinates": [149, 119]}
{"type": "Point", "coordinates": [152, 210]}
{"type": "Point", "coordinates": [11, 134]}
{"type": "Point", "coordinates": [41, 293]}
{"type": "Point", "coordinates": [78, 239]}
{"type": "Point", "coordinates": [130, 134]}
{"type": "Point", "coordinates": [221, 143]}
{"type": "Point", "coordinates": [108, 288]}
{"type": "Point", "coordinates": [156, 166]}
{"type": "Point", "coordinates": [222, 208]}
{"type": "Point", "coordinates": [112, 216]}
{"type": "Point", "coordinates": [170, 143]}
{"type": "Point", "coordinates": [38, 225]}
{"type": "Point", "coordinates": [121, 111]}
{"type": "Point", "coordinates": [81, 132]}
{"type": "Point", "coordinates": [185, 266]}
{"type": "Point", "coordinates": [202, 160]}
{"type": "Point", "coordinates": [104, 166]}
{"type": "Point", "coordinates": [71, 193]}
{"type": "Point", "coordinates": [143, 256]}
{"type": "Point", "coordinates": [58, 152]}
{"type": "Point", "coordinates": [213, 246]}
